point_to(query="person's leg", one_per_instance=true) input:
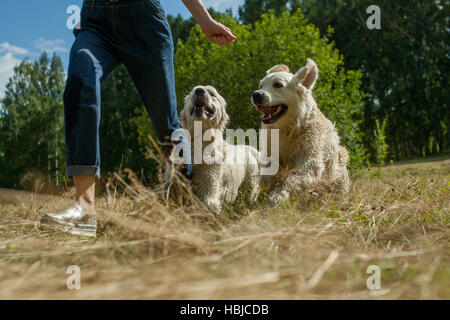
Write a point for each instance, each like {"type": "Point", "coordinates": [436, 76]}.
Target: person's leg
{"type": "Point", "coordinates": [90, 62]}
{"type": "Point", "coordinates": [92, 58]}
{"type": "Point", "coordinates": [147, 53]}
{"type": "Point", "coordinates": [85, 192]}
{"type": "Point", "coordinates": [148, 56]}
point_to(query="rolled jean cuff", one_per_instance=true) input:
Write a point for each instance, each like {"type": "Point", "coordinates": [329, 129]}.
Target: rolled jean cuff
{"type": "Point", "coordinates": [83, 171]}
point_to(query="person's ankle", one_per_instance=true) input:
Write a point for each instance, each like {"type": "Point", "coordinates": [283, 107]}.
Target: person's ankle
{"type": "Point", "coordinates": [88, 207]}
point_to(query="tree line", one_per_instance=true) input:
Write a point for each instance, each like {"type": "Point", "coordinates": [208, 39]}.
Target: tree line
{"type": "Point", "coordinates": [387, 90]}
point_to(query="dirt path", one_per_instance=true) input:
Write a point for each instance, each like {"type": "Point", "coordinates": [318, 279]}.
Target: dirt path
{"type": "Point", "coordinates": [29, 198]}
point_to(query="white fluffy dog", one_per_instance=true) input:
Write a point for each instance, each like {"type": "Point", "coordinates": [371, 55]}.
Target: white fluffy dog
{"type": "Point", "coordinates": [224, 167]}
{"type": "Point", "coordinates": [309, 146]}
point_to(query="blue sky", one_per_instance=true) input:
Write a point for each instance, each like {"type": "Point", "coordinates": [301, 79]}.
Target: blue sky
{"type": "Point", "coordinates": [30, 27]}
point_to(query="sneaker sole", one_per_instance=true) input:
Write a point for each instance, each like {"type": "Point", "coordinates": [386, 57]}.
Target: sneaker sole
{"type": "Point", "coordinates": [78, 229]}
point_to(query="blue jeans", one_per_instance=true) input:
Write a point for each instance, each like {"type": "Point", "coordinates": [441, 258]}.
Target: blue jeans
{"type": "Point", "coordinates": [137, 34]}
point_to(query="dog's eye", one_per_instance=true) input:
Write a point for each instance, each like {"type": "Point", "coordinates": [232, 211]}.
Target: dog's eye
{"type": "Point", "coordinates": [260, 86]}
{"type": "Point", "coordinates": [211, 94]}
{"type": "Point", "coordinates": [278, 85]}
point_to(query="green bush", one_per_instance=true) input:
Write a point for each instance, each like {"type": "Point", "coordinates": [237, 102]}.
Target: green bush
{"type": "Point", "coordinates": [380, 146]}
{"type": "Point", "coordinates": [235, 71]}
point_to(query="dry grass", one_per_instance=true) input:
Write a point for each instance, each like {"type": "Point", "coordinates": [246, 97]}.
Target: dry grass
{"type": "Point", "coordinates": [317, 247]}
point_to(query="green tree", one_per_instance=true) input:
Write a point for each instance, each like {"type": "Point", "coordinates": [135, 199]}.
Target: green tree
{"type": "Point", "coordinates": [180, 27]}
{"type": "Point", "coordinates": [31, 122]}
{"type": "Point", "coordinates": [123, 143]}
{"type": "Point", "coordinates": [252, 10]}
{"type": "Point", "coordinates": [119, 99]}
{"type": "Point", "coordinates": [236, 70]}
{"type": "Point", "coordinates": [404, 66]}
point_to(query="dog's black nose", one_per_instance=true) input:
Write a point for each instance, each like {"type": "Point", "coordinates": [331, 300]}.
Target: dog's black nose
{"type": "Point", "coordinates": [199, 92]}
{"type": "Point", "coordinates": [257, 97]}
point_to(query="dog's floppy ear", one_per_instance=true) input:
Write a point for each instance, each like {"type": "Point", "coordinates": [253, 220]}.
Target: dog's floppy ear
{"type": "Point", "coordinates": [278, 68]}
{"type": "Point", "coordinates": [224, 120]}
{"type": "Point", "coordinates": [183, 119]}
{"type": "Point", "coordinates": [307, 75]}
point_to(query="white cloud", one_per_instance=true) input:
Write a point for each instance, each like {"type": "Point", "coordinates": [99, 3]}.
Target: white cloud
{"type": "Point", "coordinates": [6, 47]}
{"type": "Point", "coordinates": [221, 5]}
{"type": "Point", "coordinates": [7, 63]}
{"type": "Point", "coordinates": [11, 55]}
{"type": "Point", "coordinates": [50, 46]}
{"type": "Point", "coordinates": [8, 60]}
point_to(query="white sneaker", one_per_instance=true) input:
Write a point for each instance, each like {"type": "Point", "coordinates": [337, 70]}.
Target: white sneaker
{"type": "Point", "coordinates": [72, 220]}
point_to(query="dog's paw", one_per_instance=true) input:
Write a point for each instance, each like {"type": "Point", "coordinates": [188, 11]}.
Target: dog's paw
{"type": "Point", "coordinates": [214, 206]}
{"type": "Point", "coordinates": [278, 196]}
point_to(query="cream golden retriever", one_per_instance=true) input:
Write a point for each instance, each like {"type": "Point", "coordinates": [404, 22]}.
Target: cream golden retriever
{"type": "Point", "coordinates": [309, 146]}
{"type": "Point", "coordinates": [220, 169]}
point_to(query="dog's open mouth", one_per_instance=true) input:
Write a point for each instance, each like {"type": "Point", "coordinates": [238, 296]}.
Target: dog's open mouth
{"type": "Point", "coordinates": [272, 114]}
{"type": "Point", "coordinates": [201, 109]}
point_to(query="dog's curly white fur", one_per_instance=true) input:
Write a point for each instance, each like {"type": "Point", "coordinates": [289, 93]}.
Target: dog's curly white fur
{"type": "Point", "coordinates": [309, 145]}
{"type": "Point", "coordinates": [218, 183]}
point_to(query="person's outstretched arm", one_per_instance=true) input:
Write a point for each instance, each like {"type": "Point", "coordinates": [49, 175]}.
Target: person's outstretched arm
{"type": "Point", "coordinates": [215, 31]}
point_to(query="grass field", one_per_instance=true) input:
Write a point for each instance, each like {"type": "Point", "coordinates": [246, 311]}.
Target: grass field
{"type": "Point", "coordinates": [316, 247]}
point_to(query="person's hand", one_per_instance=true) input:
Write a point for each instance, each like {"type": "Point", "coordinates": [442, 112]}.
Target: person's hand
{"type": "Point", "coordinates": [218, 33]}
